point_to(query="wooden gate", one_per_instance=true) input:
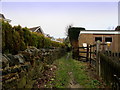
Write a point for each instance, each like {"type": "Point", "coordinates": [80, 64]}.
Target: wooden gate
{"type": "Point", "coordinates": [89, 53]}
{"type": "Point", "coordinates": [86, 53]}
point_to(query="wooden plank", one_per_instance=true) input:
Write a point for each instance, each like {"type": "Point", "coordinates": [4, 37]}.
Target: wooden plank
{"type": "Point", "coordinates": [82, 47]}
{"type": "Point", "coordinates": [86, 52]}
{"type": "Point", "coordinates": [82, 52]}
{"type": "Point", "coordinates": [82, 57]}
{"type": "Point", "coordinates": [92, 45]}
{"type": "Point", "coordinates": [103, 44]}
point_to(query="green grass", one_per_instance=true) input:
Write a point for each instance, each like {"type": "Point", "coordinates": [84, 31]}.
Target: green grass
{"type": "Point", "coordinates": [62, 78]}
{"type": "Point", "coordinates": [81, 76]}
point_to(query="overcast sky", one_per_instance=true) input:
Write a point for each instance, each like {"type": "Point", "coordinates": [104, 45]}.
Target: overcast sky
{"type": "Point", "coordinates": [54, 17]}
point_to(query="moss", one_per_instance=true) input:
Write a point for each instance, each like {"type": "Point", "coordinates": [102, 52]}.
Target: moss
{"type": "Point", "coordinates": [9, 85]}
{"type": "Point", "coordinates": [30, 84]}
{"type": "Point", "coordinates": [22, 82]}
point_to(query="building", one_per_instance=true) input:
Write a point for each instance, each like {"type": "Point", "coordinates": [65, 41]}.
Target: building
{"type": "Point", "coordinates": [36, 29]}
{"type": "Point", "coordinates": [3, 18]}
{"type": "Point", "coordinates": [61, 40]}
{"type": "Point", "coordinates": [109, 37]}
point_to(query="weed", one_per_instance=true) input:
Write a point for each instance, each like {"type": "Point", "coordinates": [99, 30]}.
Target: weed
{"type": "Point", "coordinates": [69, 66]}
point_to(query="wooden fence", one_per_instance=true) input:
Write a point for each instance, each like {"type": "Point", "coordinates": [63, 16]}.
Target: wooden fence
{"type": "Point", "coordinates": [110, 70]}
{"type": "Point", "coordinates": [107, 64]}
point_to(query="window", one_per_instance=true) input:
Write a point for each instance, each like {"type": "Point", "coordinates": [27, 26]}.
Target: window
{"type": "Point", "coordinates": [98, 38]}
{"type": "Point", "coordinates": [108, 39]}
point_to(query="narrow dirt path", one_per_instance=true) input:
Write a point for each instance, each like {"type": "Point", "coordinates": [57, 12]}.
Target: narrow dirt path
{"type": "Point", "coordinates": [68, 73]}
{"type": "Point", "coordinates": [72, 82]}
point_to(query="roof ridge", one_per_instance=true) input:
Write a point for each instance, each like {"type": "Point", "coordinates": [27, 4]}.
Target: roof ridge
{"type": "Point", "coordinates": [36, 27]}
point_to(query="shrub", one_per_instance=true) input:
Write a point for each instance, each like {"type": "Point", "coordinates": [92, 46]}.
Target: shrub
{"type": "Point", "coordinates": [16, 39]}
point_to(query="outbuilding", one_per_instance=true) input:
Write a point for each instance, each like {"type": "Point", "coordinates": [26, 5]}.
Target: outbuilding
{"type": "Point", "coordinates": [109, 37]}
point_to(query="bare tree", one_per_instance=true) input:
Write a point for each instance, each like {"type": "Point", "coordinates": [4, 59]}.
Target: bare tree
{"type": "Point", "coordinates": [66, 29]}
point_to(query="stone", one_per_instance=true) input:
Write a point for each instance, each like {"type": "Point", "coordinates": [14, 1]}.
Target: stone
{"type": "Point", "coordinates": [20, 58]}
{"type": "Point", "coordinates": [5, 61]}
{"type": "Point", "coordinates": [14, 70]}
{"type": "Point", "coordinates": [32, 50]}
{"type": "Point", "coordinates": [12, 60]}
{"type": "Point", "coordinates": [26, 56]}
{"type": "Point", "coordinates": [25, 67]}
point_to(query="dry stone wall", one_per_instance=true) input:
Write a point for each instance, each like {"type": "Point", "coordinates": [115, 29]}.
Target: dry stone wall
{"type": "Point", "coordinates": [22, 70]}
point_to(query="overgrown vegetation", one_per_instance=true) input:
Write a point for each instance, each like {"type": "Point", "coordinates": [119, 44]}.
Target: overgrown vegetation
{"type": "Point", "coordinates": [15, 39]}
{"type": "Point", "coordinates": [68, 67]}
{"type": "Point", "coordinates": [73, 32]}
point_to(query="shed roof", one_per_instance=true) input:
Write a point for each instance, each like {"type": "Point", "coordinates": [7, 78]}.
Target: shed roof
{"type": "Point", "coordinates": [100, 32]}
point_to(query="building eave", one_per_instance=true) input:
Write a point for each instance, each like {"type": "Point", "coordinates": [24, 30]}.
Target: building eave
{"type": "Point", "coordinates": [100, 32]}
{"type": "Point", "coordinates": [8, 20]}
{"type": "Point", "coordinates": [37, 28]}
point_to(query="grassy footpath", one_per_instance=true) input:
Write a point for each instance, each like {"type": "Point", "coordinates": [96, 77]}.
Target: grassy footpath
{"type": "Point", "coordinates": [67, 67]}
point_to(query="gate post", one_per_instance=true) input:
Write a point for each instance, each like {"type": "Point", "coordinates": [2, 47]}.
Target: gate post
{"type": "Point", "coordinates": [98, 58]}
{"type": "Point", "coordinates": [90, 54]}
{"type": "Point", "coordinates": [87, 54]}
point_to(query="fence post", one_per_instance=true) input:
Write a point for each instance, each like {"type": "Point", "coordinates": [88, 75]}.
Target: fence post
{"type": "Point", "coordinates": [87, 55]}
{"type": "Point", "coordinates": [90, 54]}
{"type": "Point", "coordinates": [98, 58]}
